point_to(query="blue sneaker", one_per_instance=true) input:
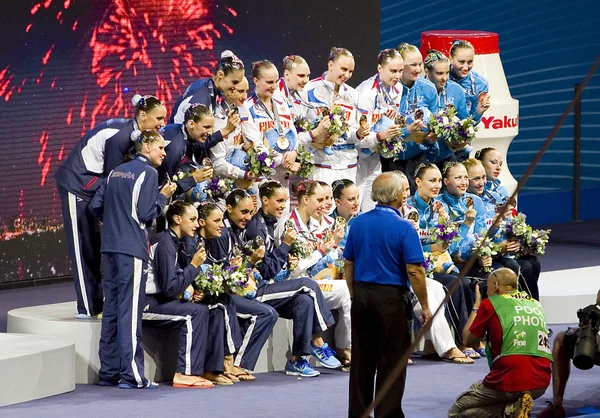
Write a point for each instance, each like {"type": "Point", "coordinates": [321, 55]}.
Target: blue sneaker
{"type": "Point", "coordinates": [300, 367]}
{"type": "Point", "coordinates": [149, 385]}
{"type": "Point", "coordinates": [326, 356]}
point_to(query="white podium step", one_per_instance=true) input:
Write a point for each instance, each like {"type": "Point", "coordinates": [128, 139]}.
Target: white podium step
{"type": "Point", "coordinates": [160, 345]}
{"type": "Point", "coordinates": [34, 367]}
{"type": "Point", "coordinates": [563, 292]}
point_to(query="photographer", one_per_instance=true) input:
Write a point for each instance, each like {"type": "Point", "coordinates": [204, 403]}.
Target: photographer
{"type": "Point", "coordinates": [581, 344]}
{"type": "Point", "coordinates": [518, 351]}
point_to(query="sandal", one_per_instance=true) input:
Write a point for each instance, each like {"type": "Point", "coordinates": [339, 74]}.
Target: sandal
{"type": "Point", "coordinates": [231, 376]}
{"type": "Point", "coordinates": [471, 353]}
{"type": "Point", "coordinates": [201, 383]}
{"type": "Point", "coordinates": [458, 360]}
{"type": "Point", "coordinates": [218, 379]}
{"type": "Point", "coordinates": [244, 376]}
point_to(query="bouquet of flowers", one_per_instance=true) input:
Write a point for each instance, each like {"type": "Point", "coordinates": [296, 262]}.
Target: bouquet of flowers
{"type": "Point", "coordinates": [261, 163]}
{"type": "Point", "coordinates": [445, 231]}
{"type": "Point", "coordinates": [534, 242]}
{"type": "Point", "coordinates": [307, 162]}
{"type": "Point", "coordinates": [181, 175]}
{"type": "Point", "coordinates": [485, 247]}
{"type": "Point", "coordinates": [515, 227]}
{"type": "Point", "coordinates": [239, 280]}
{"type": "Point", "coordinates": [217, 187]}
{"type": "Point", "coordinates": [301, 249]}
{"type": "Point", "coordinates": [429, 264]}
{"type": "Point", "coordinates": [211, 280]}
{"type": "Point", "coordinates": [444, 122]}
{"type": "Point", "coordinates": [338, 126]}
{"type": "Point", "coordinates": [463, 132]}
{"type": "Point", "coordinates": [391, 147]}
{"type": "Point", "coordinates": [303, 125]}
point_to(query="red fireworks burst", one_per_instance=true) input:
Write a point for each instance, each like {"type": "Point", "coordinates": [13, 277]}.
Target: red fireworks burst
{"type": "Point", "coordinates": [167, 43]}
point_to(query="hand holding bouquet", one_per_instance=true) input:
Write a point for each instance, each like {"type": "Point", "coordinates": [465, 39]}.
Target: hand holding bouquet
{"type": "Point", "coordinates": [217, 187]}
{"type": "Point", "coordinates": [429, 264]}
{"type": "Point", "coordinates": [485, 247]}
{"type": "Point", "coordinates": [307, 162]}
{"type": "Point", "coordinates": [444, 122]}
{"type": "Point", "coordinates": [445, 231]}
{"type": "Point", "coordinates": [211, 280]}
{"type": "Point", "coordinates": [338, 126]}
{"type": "Point", "coordinates": [534, 242]}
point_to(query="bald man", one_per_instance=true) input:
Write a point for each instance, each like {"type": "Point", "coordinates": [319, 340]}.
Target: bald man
{"type": "Point", "coordinates": [518, 351]}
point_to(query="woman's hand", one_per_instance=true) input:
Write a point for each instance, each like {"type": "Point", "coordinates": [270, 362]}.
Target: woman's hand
{"type": "Point", "coordinates": [292, 262]}
{"type": "Point", "coordinates": [233, 120]}
{"type": "Point", "coordinates": [485, 261]}
{"type": "Point", "coordinates": [470, 216]}
{"type": "Point", "coordinates": [201, 174]}
{"type": "Point", "coordinates": [430, 138]}
{"type": "Point", "coordinates": [513, 247]}
{"type": "Point", "coordinates": [168, 189]}
{"type": "Point", "coordinates": [338, 234]}
{"type": "Point", "coordinates": [483, 105]}
{"type": "Point", "coordinates": [199, 257]}
{"type": "Point", "coordinates": [289, 157]}
{"type": "Point", "coordinates": [416, 126]}
{"type": "Point", "coordinates": [439, 247]}
{"type": "Point", "coordinates": [390, 132]}
{"type": "Point", "coordinates": [290, 236]}
{"type": "Point", "coordinates": [327, 246]}
{"type": "Point", "coordinates": [257, 255]}
{"type": "Point", "coordinates": [293, 167]}
{"type": "Point", "coordinates": [198, 296]}
{"type": "Point", "coordinates": [363, 131]}
{"type": "Point", "coordinates": [236, 261]}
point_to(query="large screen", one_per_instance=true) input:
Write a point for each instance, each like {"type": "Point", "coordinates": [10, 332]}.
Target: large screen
{"type": "Point", "coordinates": [66, 65]}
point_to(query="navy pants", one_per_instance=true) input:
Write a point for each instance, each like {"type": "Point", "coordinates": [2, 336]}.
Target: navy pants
{"type": "Point", "coordinates": [121, 353]}
{"type": "Point", "coordinates": [256, 323]}
{"type": "Point", "coordinates": [197, 352]}
{"type": "Point", "coordinates": [301, 301]}
{"type": "Point", "coordinates": [82, 231]}
{"type": "Point", "coordinates": [233, 337]}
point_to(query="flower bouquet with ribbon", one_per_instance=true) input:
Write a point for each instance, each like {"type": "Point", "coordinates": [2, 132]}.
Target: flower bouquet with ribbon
{"type": "Point", "coordinates": [515, 227]}
{"type": "Point", "coordinates": [211, 281]}
{"type": "Point", "coordinates": [486, 247]}
{"type": "Point", "coordinates": [445, 231]}
{"type": "Point", "coordinates": [307, 162]}
{"type": "Point", "coordinates": [390, 147]}
{"type": "Point", "coordinates": [338, 126]}
{"type": "Point", "coordinates": [534, 241]}
{"type": "Point", "coordinates": [261, 163]}
{"type": "Point", "coordinates": [429, 265]}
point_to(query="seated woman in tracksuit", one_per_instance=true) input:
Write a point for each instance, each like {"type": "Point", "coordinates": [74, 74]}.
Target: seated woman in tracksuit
{"type": "Point", "coordinates": [298, 299]}
{"type": "Point", "coordinates": [201, 331]}
{"type": "Point", "coordinates": [429, 207]}
{"type": "Point", "coordinates": [529, 266]}
{"type": "Point", "coordinates": [127, 203]}
{"type": "Point", "coordinates": [223, 238]}
{"type": "Point", "coordinates": [311, 198]}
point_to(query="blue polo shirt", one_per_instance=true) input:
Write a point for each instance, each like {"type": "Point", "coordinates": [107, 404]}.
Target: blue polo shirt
{"type": "Point", "coordinates": [380, 244]}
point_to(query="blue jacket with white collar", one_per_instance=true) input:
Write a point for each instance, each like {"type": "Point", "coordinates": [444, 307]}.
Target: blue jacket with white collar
{"type": "Point", "coordinates": [203, 92]}
{"type": "Point", "coordinates": [95, 155]}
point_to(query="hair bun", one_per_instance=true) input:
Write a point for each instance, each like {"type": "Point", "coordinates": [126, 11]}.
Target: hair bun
{"type": "Point", "coordinates": [227, 54]}
{"type": "Point", "coordinates": [136, 99]}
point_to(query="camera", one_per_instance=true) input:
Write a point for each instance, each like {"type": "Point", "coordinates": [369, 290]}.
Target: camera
{"type": "Point", "coordinates": [585, 348]}
{"type": "Point", "coordinates": [482, 285]}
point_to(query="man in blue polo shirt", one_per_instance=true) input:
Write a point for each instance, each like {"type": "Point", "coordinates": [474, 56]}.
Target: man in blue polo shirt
{"type": "Point", "coordinates": [383, 257]}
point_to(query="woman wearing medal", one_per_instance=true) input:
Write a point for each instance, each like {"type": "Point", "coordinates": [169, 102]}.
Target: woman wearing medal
{"type": "Point", "coordinates": [269, 125]}
{"type": "Point", "coordinates": [311, 198]}
{"type": "Point", "coordinates": [209, 91]}
{"type": "Point", "coordinates": [229, 156]}
{"type": "Point", "coordinates": [429, 207]}
{"type": "Point", "coordinates": [418, 96]}
{"type": "Point", "coordinates": [474, 85]}
{"type": "Point", "coordinates": [379, 104]}
{"type": "Point", "coordinates": [321, 95]}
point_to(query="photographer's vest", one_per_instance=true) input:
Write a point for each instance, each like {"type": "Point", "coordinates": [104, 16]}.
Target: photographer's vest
{"type": "Point", "coordinates": [523, 322]}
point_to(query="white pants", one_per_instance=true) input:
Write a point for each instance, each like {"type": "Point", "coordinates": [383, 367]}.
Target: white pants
{"type": "Point", "coordinates": [337, 296]}
{"type": "Point", "coordinates": [439, 334]}
{"type": "Point", "coordinates": [329, 175]}
{"type": "Point", "coordinates": [369, 167]}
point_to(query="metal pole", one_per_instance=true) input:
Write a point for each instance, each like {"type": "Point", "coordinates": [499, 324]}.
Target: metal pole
{"type": "Point", "coordinates": [577, 153]}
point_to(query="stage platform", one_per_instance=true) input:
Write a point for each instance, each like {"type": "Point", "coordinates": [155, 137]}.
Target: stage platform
{"type": "Point", "coordinates": [34, 367]}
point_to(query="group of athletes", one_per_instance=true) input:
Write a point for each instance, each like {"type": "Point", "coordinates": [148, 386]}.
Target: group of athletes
{"type": "Point", "coordinates": [136, 191]}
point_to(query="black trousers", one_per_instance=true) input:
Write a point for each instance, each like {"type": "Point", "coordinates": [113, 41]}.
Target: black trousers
{"type": "Point", "coordinates": [381, 324]}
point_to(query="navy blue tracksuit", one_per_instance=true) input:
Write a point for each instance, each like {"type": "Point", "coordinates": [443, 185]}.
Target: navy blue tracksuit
{"type": "Point", "coordinates": [300, 300]}
{"type": "Point", "coordinates": [203, 92]}
{"type": "Point", "coordinates": [127, 203]}
{"type": "Point", "coordinates": [96, 154]}
{"type": "Point", "coordinates": [201, 332]}
{"type": "Point", "coordinates": [183, 153]}
{"type": "Point", "coordinates": [255, 319]}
